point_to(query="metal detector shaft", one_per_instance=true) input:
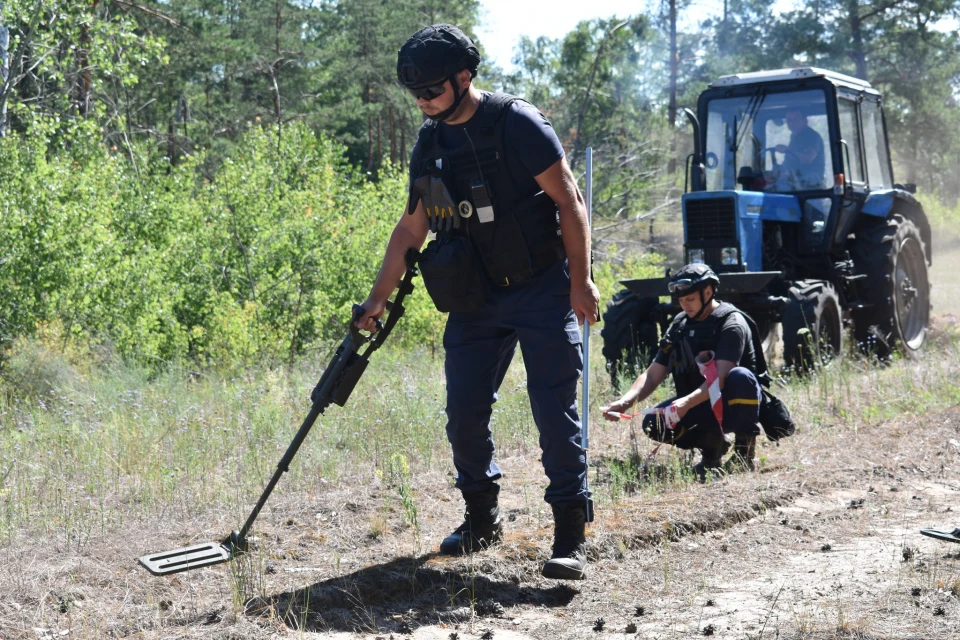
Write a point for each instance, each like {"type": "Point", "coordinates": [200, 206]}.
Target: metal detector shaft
{"type": "Point", "coordinates": [335, 385]}
{"type": "Point", "coordinates": [329, 378]}
{"type": "Point", "coordinates": [327, 391]}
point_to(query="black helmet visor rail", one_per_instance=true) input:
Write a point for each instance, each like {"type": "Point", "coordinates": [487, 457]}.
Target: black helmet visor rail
{"type": "Point", "coordinates": [679, 286]}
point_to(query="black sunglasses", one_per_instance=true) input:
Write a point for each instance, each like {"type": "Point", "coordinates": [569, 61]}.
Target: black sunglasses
{"type": "Point", "coordinates": [430, 92]}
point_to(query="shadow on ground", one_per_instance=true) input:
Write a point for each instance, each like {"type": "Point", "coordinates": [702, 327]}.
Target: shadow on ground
{"type": "Point", "coordinates": [400, 596]}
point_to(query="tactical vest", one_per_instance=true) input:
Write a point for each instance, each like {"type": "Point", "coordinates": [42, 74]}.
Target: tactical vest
{"type": "Point", "coordinates": [682, 346]}
{"type": "Point", "coordinates": [523, 238]}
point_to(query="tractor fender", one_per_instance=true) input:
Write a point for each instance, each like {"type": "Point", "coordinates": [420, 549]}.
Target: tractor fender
{"type": "Point", "coordinates": [884, 204]}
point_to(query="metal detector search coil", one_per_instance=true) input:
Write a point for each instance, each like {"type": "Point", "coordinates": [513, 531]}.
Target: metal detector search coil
{"type": "Point", "coordinates": [186, 558]}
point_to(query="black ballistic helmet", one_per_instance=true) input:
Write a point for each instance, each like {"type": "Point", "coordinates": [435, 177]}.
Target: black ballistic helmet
{"type": "Point", "coordinates": [692, 277]}
{"type": "Point", "coordinates": [434, 54]}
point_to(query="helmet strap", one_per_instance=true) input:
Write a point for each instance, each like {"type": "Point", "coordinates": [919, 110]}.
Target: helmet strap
{"type": "Point", "coordinates": [457, 98]}
{"type": "Point", "coordinates": [703, 305]}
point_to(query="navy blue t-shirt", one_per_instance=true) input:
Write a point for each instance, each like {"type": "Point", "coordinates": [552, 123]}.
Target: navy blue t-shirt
{"type": "Point", "coordinates": [530, 141]}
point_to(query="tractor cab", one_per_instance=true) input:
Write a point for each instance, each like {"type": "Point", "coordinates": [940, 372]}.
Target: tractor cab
{"type": "Point", "coordinates": [802, 146]}
{"type": "Point", "coordinates": [772, 142]}
{"type": "Point", "coordinates": [793, 204]}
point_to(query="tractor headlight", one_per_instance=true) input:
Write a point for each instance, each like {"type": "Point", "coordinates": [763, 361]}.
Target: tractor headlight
{"type": "Point", "coordinates": [695, 256]}
{"type": "Point", "coordinates": [730, 256]}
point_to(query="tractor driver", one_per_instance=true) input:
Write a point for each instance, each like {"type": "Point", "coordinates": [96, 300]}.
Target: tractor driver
{"type": "Point", "coordinates": [688, 420]}
{"type": "Point", "coordinates": [510, 263]}
{"type": "Point", "coordinates": [803, 162]}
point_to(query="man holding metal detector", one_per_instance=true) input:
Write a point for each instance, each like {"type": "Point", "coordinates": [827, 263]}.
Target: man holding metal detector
{"type": "Point", "coordinates": [714, 353]}
{"type": "Point", "coordinates": [509, 261]}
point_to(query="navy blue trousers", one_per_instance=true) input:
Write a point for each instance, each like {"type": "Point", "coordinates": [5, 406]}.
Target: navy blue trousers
{"type": "Point", "coordinates": [699, 429]}
{"type": "Point", "coordinates": [535, 314]}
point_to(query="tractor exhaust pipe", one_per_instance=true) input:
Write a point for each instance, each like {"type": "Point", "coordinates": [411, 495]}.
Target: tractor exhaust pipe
{"type": "Point", "coordinates": [695, 167]}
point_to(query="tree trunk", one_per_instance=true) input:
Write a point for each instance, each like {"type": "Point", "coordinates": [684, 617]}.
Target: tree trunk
{"type": "Point", "coordinates": [672, 107]}
{"type": "Point", "coordinates": [369, 166]}
{"type": "Point", "coordinates": [4, 71]}
{"type": "Point", "coordinates": [171, 143]}
{"type": "Point", "coordinates": [914, 159]}
{"type": "Point", "coordinates": [83, 62]}
{"type": "Point", "coordinates": [393, 136]}
{"type": "Point", "coordinates": [275, 71]}
{"type": "Point", "coordinates": [279, 22]}
{"type": "Point", "coordinates": [856, 36]}
{"type": "Point", "coordinates": [379, 159]}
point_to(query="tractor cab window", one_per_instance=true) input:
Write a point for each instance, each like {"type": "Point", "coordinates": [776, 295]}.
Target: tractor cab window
{"type": "Point", "coordinates": [875, 144]}
{"type": "Point", "coordinates": [850, 132]}
{"type": "Point", "coordinates": [773, 142]}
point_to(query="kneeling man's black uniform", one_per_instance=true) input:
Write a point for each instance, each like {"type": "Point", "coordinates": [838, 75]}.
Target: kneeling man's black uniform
{"type": "Point", "coordinates": [688, 420]}
{"type": "Point", "coordinates": [726, 332]}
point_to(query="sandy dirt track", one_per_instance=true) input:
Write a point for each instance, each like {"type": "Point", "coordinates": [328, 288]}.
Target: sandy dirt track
{"type": "Point", "coordinates": [823, 543]}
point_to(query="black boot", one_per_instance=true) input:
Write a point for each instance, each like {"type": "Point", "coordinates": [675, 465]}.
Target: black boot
{"type": "Point", "coordinates": [744, 451]}
{"type": "Point", "coordinates": [711, 460]}
{"type": "Point", "coordinates": [569, 559]}
{"type": "Point", "coordinates": [481, 525]}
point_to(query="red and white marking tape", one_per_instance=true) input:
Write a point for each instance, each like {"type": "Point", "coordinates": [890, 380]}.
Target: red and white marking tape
{"type": "Point", "coordinates": [708, 369]}
{"type": "Point", "coordinates": [628, 416]}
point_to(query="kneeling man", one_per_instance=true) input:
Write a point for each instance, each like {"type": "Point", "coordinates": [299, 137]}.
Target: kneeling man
{"type": "Point", "coordinates": [711, 351]}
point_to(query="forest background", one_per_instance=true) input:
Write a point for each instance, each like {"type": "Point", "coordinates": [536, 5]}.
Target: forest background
{"type": "Point", "coordinates": [213, 181]}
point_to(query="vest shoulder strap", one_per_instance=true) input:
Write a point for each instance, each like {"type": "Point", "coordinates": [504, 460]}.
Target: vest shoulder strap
{"type": "Point", "coordinates": [426, 137]}
{"type": "Point", "coordinates": [494, 111]}
{"type": "Point", "coordinates": [497, 105]}
{"type": "Point", "coordinates": [725, 310]}
{"type": "Point", "coordinates": [672, 335]}
{"type": "Point", "coordinates": [491, 114]}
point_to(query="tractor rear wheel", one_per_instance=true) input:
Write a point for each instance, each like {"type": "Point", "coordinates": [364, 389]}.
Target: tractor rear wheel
{"type": "Point", "coordinates": [630, 338]}
{"type": "Point", "coordinates": [812, 326]}
{"type": "Point", "coordinates": [896, 288]}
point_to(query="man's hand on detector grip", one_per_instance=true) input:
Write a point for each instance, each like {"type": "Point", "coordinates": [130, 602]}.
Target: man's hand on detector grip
{"type": "Point", "coordinates": [367, 315]}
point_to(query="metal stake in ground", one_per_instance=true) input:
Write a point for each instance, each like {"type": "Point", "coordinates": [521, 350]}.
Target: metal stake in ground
{"type": "Point", "coordinates": [335, 386]}
{"type": "Point", "coordinates": [584, 411]}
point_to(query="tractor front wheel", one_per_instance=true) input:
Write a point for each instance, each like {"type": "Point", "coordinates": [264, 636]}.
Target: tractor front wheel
{"type": "Point", "coordinates": [629, 333]}
{"type": "Point", "coordinates": [812, 326]}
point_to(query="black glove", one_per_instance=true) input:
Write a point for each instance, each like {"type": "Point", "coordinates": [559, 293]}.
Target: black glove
{"type": "Point", "coordinates": [438, 205]}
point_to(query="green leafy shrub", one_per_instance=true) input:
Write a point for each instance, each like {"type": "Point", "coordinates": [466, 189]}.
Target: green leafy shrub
{"type": "Point", "coordinates": [261, 263]}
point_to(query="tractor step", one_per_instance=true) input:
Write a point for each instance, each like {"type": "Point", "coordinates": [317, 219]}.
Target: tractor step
{"type": "Point", "coordinates": [186, 558]}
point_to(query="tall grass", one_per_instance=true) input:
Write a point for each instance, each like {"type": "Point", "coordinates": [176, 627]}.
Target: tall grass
{"type": "Point", "coordinates": [82, 449]}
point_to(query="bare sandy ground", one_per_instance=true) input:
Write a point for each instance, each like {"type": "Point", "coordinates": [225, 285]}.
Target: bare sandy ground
{"type": "Point", "coordinates": [823, 542]}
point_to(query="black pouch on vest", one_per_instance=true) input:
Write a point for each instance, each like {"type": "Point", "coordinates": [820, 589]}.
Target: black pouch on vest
{"type": "Point", "coordinates": [502, 244]}
{"type": "Point", "coordinates": [775, 417]}
{"type": "Point", "coordinates": [453, 275]}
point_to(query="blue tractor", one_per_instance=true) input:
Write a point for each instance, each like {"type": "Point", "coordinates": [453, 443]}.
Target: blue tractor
{"type": "Point", "coordinates": [792, 202]}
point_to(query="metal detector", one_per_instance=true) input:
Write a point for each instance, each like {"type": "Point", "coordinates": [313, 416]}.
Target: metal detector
{"type": "Point", "coordinates": [945, 536]}
{"type": "Point", "coordinates": [335, 386]}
